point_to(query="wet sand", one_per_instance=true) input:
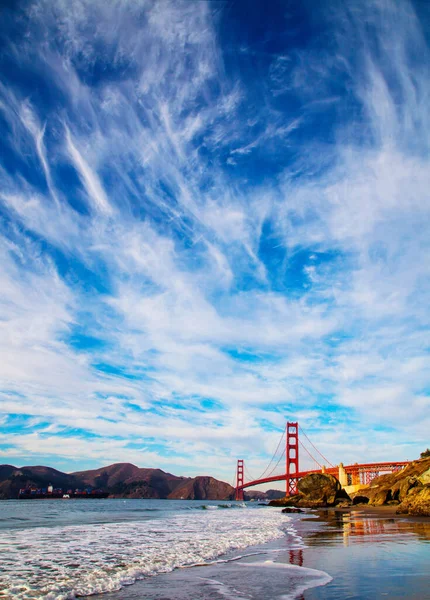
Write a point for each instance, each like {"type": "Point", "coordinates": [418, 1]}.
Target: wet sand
{"type": "Point", "coordinates": [378, 511]}
{"type": "Point", "coordinates": [370, 552]}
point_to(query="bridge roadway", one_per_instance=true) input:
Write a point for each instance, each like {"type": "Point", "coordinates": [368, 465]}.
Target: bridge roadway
{"type": "Point", "coordinates": [353, 470]}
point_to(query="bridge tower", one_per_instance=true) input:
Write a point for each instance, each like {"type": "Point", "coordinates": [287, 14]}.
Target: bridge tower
{"type": "Point", "coordinates": [292, 457]}
{"type": "Point", "coordinates": [239, 480]}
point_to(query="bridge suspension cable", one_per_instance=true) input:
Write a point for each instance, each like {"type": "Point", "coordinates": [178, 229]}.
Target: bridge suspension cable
{"type": "Point", "coordinates": [248, 474]}
{"type": "Point", "coordinates": [307, 451]}
{"type": "Point", "coordinates": [315, 448]}
{"type": "Point", "coordinates": [273, 457]}
{"type": "Point", "coordinates": [274, 468]}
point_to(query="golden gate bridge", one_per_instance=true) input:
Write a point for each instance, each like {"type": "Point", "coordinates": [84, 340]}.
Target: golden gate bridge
{"type": "Point", "coordinates": [286, 457]}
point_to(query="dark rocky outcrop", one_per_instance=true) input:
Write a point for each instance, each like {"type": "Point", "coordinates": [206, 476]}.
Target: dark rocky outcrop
{"type": "Point", "coordinates": [408, 488]}
{"type": "Point", "coordinates": [316, 490]}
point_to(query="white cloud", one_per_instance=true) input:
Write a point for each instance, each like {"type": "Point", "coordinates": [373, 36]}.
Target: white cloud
{"type": "Point", "coordinates": [172, 270]}
{"type": "Point", "coordinates": [89, 178]}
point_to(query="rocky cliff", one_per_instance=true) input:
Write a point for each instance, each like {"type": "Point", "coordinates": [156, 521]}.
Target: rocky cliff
{"type": "Point", "coordinates": [409, 489]}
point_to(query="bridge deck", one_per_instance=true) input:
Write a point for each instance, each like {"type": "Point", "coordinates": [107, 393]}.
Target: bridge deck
{"type": "Point", "coordinates": [366, 467]}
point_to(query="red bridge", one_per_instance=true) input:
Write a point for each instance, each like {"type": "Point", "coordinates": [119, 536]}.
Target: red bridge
{"type": "Point", "coordinates": [348, 475]}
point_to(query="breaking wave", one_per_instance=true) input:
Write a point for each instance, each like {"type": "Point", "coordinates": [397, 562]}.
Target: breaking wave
{"type": "Point", "coordinates": [43, 562]}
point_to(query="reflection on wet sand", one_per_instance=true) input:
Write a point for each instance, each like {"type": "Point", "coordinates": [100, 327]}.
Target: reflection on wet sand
{"type": "Point", "coordinates": [368, 552]}
{"type": "Point", "coordinates": [296, 557]}
{"type": "Point", "coordinates": [359, 526]}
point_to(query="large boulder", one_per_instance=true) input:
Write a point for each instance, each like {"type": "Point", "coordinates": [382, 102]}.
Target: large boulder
{"type": "Point", "coordinates": [316, 490]}
{"type": "Point", "coordinates": [320, 487]}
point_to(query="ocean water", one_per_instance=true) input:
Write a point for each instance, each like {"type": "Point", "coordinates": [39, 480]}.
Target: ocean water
{"type": "Point", "coordinates": [193, 550]}
{"type": "Point", "coordinates": [62, 549]}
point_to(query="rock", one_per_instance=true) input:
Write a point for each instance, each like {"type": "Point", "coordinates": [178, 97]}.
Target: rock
{"type": "Point", "coordinates": [316, 490]}
{"type": "Point", "coordinates": [292, 509]}
{"type": "Point", "coordinates": [360, 500]}
{"type": "Point", "coordinates": [320, 487]}
{"type": "Point", "coordinates": [304, 503]}
{"type": "Point", "coordinates": [343, 499]}
{"type": "Point", "coordinates": [286, 501]}
{"type": "Point", "coordinates": [405, 486]}
{"type": "Point", "coordinates": [381, 497]}
{"type": "Point", "coordinates": [417, 502]}
{"type": "Point", "coordinates": [425, 477]}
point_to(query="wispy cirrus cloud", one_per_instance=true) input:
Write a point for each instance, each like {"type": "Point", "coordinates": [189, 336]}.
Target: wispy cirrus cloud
{"type": "Point", "coordinates": [203, 237]}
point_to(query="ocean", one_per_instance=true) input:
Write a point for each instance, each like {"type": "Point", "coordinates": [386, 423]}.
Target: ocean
{"type": "Point", "coordinates": [118, 549]}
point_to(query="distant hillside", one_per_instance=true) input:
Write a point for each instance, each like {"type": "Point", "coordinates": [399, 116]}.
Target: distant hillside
{"type": "Point", "coordinates": [254, 495]}
{"type": "Point", "coordinates": [121, 480]}
{"type": "Point", "coordinates": [124, 480]}
{"type": "Point", "coordinates": [274, 494]}
{"type": "Point", "coordinates": [13, 478]}
{"type": "Point", "coordinates": [257, 495]}
{"type": "Point", "coordinates": [203, 488]}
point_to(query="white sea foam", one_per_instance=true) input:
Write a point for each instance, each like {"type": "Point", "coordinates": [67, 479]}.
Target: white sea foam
{"type": "Point", "coordinates": [284, 582]}
{"type": "Point", "coordinates": [305, 578]}
{"type": "Point", "coordinates": [59, 563]}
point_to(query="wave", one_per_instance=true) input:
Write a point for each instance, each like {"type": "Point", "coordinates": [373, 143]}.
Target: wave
{"type": "Point", "coordinates": [110, 555]}
{"type": "Point", "coordinates": [248, 579]}
{"type": "Point", "coordinates": [216, 506]}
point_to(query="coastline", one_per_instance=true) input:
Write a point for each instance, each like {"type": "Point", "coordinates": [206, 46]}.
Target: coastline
{"type": "Point", "coordinates": [160, 550]}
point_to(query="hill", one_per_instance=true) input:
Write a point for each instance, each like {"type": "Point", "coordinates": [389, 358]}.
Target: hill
{"type": "Point", "coordinates": [124, 480]}
{"type": "Point", "coordinates": [258, 495]}
{"type": "Point", "coordinates": [13, 478]}
{"type": "Point", "coordinates": [121, 480]}
{"type": "Point", "coordinates": [203, 488]}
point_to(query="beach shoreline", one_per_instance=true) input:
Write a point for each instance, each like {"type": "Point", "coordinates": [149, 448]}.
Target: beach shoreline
{"type": "Point", "coordinates": [355, 552]}
{"type": "Point", "coordinates": [136, 549]}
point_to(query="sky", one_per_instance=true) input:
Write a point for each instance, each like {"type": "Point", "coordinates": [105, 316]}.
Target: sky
{"type": "Point", "coordinates": [214, 218]}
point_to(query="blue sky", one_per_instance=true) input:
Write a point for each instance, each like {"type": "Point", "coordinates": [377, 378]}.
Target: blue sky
{"type": "Point", "coordinates": [214, 217]}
